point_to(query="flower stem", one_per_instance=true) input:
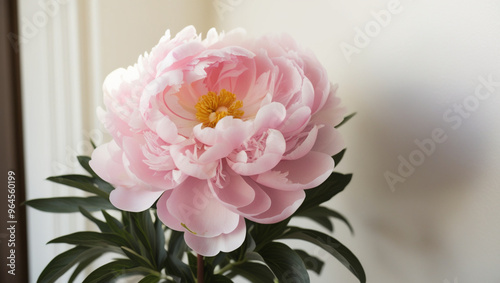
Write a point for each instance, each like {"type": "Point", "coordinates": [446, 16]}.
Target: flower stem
{"type": "Point", "coordinates": [231, 265]}
{"type": "Point", "coordinates": [200, 269]}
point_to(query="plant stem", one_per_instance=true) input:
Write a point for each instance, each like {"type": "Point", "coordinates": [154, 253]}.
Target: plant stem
{"type": "Point", "coordinates": [200, 269]}
{"type": "Point", "coordinates": [231, 265]}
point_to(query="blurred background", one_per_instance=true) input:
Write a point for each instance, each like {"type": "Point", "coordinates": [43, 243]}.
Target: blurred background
{"type": "Point", "coordinates": [424, 147]}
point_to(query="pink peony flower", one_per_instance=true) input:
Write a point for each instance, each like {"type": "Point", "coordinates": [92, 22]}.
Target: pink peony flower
{"type": "Point", "coordinates": [219, 129]}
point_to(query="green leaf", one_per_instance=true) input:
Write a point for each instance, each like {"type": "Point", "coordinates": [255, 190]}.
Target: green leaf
{"type": "Point", "coordinates": [321, 211]}
{"type": "Point", "coordinates": [175, 267]}
{"type": "Point", "coordinates": [91, 239]}
{"type": "Point", "coordinates": [219, 279]}
{"type": "Point", "coordinates": [69, 204]}
{"type": "Point", "coordinates": [60, 264]}
{"type": "Point", "coordinates": [103, 185]}
{"type": "Point", "coordinates": [331, 245]}
{"type": "Point", "coordinates": [176, 244]}
{"type": "Point", "coordinates": [143, 229]}
{"type": "Point", "coordinates": [265, 233]}
{"type": "Point", "coordinates": [84, 162]}
{"type": "Point", "coordinates": [120, 229]}
{"type": "Point", "coordinates": [311, 262]}
{"type": "Point", "coordinates": [82, 182]}
{"type": "Point", "coordinates": [82, 265]}
{"type": "Point", "coordinates": [64, 261]}
{"type": "Point", "coordinates": [285, 263]}
{"type": "Point", "coordinates": [113, 270]}
{"type": "Point", "coordinates": [221, 259]}
{"type": "Point", "coordinates": [161, 253]}
{"type": "Point", "coordinates": [101, 224]}
{"type": "Point", "coordinates": [100, 183]}
{"type": "Point", "coordinates": [113, 223]}
{"type": "Point", "coordinates": [335, 183]}
{"type": "Point", "coordinates": [254, 272]}
{"type": "Point", "coordinates": [137, 258]}
{"type": "Point", "coordinates": [150, 279]}
{"type": "Point", "coordinates": [346, 118]}
{"type": "Point", "coordinates": [193, 263]}
{"type": "Point", "coordinates": [321, 220]}
{"type": "Point", "coordinates": [338, 157]}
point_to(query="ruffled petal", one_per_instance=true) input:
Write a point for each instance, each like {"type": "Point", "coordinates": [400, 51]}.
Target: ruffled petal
{"type": "Point", "coordinates": [186, 158]}
{"type": "Point", "coordinates": [199, 211]}
{"type": "Point", "coordinates": [133, 199]}
{"type": "Point", "coordinates": [273, 151]}
{"type": "Point", "coordinates": [235, 191]}
{"type": "Point", "coordinates": [165, 216]}
{"type": "Point", "coordinates": [283, 205]}
{"type": "Point", "coordinates": [269, 116]}
{"type": "Point", "coordinates": [164, 179]}
{"type": "Point", "coordinates": [260, 203]}
{"type": "Point", "coordinates": [331, 113]}
{"type": "Point", "coordinates": [211, 246]}
{"type": "Point", "coordinates": [107, 162]}
{"type": "Point", "coordinates": [296, 122]}
{"type": "Point", "coordinates": [228, 130]}
{"type": "Point", "coordinates": [167, 130]}
{"type": "Point", "coordinates": [302, 146]}
{"type": "Point", "coordinates": [329, 141]}
{"type": "Point", "coordinates": [304, 173]}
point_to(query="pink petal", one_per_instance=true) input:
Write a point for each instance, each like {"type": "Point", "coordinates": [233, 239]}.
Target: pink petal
{"type": "Point", "coordinates": [157, 86]}
{"type": "Point", "coordinates": [215, 152]}
{"type": "Point", "coordinates": [270, 116]}
{"type": "Point", "coordinates": [107, 162]}
{"type": "Point", "coordinates": [331, 113]}
{"type": "Point", "coordinates": [211, 246]}
{"type": "Point", "coordinates": [296, 122]}
{"type": "Point", "coordinates": [289, 82]}
{"type": "Point", "coordinates": [179, 55]}
{"type": "Point", "coordinates": [133, 199]}
{"type": "Point", "coordinates": [283, 205]}
{"type": "Point", "coordinates": [161, 180]}
{"type": "Point", "coordinates": [186, 159]}
{"type": "Point", "coordinates": [228, 130]}
{"type": "Point", "coordinates": [194, 205]}
{"type": "Point", "coordinates": [301, 149]}
{"type": "Point", "coordinates": [329, 141]}
{"type": "Point", "coordinates": [167, 130]}
{"type": "Point", "coordinates": [260, 203]}
{"type": "Point", "coordinates": [307, 93]}
{"type": "Point", "coordinates": [165, 216]}
{"type": "Point", "coordinates": [274, 149]}
{"type": "Point", "coordinates": [304, 173]}
{"type": "Point", "coordinates": [318, 77]}
{"type": "Point", "coordinates": [236, 192]}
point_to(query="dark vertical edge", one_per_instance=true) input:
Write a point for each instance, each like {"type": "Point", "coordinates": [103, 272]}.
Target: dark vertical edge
{"type": "Point", "coordinates": [11, 147]}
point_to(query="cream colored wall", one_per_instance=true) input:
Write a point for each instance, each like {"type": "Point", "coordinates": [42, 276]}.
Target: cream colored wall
{"type": "Point", "coordinates": [441, 223]}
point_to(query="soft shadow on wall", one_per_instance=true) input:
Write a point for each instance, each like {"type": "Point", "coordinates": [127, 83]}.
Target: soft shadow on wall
{"type": "Point", "coordinates": [424, 79]}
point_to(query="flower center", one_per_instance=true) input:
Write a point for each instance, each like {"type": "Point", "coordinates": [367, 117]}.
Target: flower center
{"type": "Point", "coordinates": [212, 107]}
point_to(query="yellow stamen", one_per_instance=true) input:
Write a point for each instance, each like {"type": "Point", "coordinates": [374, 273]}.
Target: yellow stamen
{"type": "Point", "coordinates": [212, 107]}
{"type": "Point", "coordinates": [184, 225]}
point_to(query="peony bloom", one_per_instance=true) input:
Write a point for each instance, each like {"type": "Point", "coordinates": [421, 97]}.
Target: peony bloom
{"type": "Point", "coordinates": [218, 130]}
